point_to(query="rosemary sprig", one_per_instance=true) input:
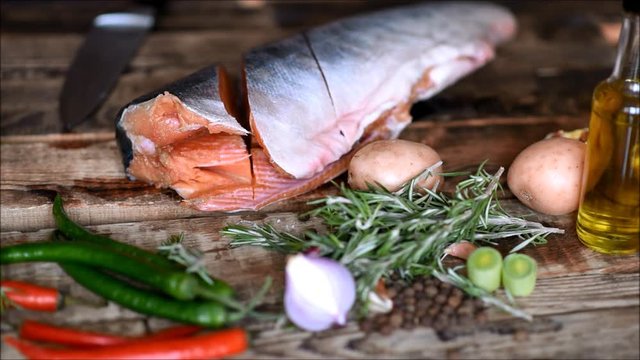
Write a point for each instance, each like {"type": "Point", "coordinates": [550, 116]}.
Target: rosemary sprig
{"type": "Point", "coordinates": [191, 258]}
{"type": "Point", "coordinates": [376, 232]}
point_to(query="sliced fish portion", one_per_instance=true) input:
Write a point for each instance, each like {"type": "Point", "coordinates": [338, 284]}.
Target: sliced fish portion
{"type": "Point", "coordinates": [185, 136]}
{"type": "Point", "coordinates": [284, 80]}
{"type": "Point", "coordinates": [270, 185]}
{"type": "Point", "coordinates": [312, 96]}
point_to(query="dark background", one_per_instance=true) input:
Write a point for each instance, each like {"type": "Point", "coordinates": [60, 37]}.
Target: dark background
{"type": "Point", "coordinates": [560, 53]}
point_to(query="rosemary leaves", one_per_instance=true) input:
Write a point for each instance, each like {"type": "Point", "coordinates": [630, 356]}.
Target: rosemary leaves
{"type": "Point", "coordinates": [377, 233]}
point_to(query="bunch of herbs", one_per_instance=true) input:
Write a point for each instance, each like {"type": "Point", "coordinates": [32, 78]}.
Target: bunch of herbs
{"type": "Point", "coordinates": [377, 232]}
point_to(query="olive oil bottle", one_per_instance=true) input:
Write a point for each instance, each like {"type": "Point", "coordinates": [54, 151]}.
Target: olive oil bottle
{"type": "Point", "coordinates": [609, 218]}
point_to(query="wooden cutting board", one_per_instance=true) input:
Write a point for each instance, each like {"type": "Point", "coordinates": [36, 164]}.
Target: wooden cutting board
{"type": "Point", "coordinates": [586, 305]}
{"type": "Point", "coordinates": [580, 294]}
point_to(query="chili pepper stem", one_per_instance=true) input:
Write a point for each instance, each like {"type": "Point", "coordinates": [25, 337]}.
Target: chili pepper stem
{"type": "Point", "coordinates": [242, 311]}
{"type": "Point", "coordinates": [209, 294]}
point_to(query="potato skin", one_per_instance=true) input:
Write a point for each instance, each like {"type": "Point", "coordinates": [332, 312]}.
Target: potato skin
{"type": "Point", "coordinates": [547, 175]}
{"type": "Point", "coordinates": [391, 163]}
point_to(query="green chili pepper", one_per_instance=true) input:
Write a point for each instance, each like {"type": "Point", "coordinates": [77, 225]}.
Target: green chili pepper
{"type": "Point", "coordinates": [73, 231]}
{"type": "Point", "coordinates": [201, 289]}
{"type": "Point", "coordinates": [180, 285]}
{"type": "Point", "coordinates": [204, 313]}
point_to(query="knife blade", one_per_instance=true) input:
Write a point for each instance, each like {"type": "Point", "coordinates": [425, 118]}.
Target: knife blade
{"type": "Point", "coordinates": [106, 51]}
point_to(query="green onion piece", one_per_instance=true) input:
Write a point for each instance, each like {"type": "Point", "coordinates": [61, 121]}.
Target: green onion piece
{"type": "Point", "coordinates": [484, 266]}
{"type": "Point", "coordinates": [519, 274]}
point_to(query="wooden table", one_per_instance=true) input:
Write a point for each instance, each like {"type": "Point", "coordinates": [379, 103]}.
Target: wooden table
{"type": "Point", "coordinates": [586, 305]}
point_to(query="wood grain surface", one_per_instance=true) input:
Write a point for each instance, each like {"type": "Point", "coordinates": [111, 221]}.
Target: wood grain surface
{"type": "Point", "coordinates": [586, 305]}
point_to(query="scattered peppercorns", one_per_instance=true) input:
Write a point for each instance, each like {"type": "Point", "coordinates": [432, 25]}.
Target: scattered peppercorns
{"type": "Point", "coordinates": [425, 302]}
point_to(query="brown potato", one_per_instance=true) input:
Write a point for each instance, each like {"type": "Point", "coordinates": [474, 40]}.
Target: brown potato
{"type": "Point", "coordinates": [547, 175]}
{"type": "Point", "coordinates": [392, 163]}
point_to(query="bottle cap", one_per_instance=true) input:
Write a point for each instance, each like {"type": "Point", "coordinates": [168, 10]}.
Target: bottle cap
{"type": "Point", "coordinates": [631, 6]}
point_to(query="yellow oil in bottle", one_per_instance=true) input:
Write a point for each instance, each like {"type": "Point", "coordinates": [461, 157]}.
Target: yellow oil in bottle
{"type": "Point", "coordinates": [609, 218]}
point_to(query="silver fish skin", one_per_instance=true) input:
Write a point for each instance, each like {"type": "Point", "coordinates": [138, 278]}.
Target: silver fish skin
{"type": "Point", "coordinates": [199, 92]}
{"type": "Point", "coordinates": [312, 96]}
{"type": "Point", "coordinates": [286, 90]}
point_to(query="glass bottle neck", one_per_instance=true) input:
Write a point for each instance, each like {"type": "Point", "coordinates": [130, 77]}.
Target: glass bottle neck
{"type": "Point", "coordinates": [628, 58]}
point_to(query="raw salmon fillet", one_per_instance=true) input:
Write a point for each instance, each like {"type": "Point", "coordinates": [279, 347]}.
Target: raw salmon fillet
{"type": "Point", "coordinates": [185, 137]}
{"type": "Point", "coordinates": [310, 101]}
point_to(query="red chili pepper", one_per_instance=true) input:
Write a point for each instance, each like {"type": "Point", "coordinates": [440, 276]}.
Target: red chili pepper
{"type": "Point", "coordinates": [30, 296]}
{"type": "Point", "coordinates": [37, 331]}
{"type": "Point", "coordinates": [33, 330]}
{"type": "Point", "coordinates": [173, 332]}
{"type": "Point", "coordinates": [213, 345]}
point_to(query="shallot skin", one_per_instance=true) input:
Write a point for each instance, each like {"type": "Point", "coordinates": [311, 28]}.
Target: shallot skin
{"type": "Point", "coordinates": [461, 250]}
{"type": "Point", "coordinates": [547, 175]}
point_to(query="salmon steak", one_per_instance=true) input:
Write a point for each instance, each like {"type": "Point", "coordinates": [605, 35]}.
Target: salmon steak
{"type": "Point", "coordinates": [309, 101]}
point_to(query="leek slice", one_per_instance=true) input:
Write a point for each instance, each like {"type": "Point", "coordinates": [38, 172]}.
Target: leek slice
{"type": "Point", "coordinates": [519, 274]}
{"type": "Point", "coordinates": [484, 267]}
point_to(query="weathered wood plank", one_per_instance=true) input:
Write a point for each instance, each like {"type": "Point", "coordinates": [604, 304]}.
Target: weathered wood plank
{"type": "Point", "coordinates": [34, 65]}
{"type": "Point", "coordinates": [546, 337]}
{"type": "Point", "coordinates": [576, 285]}
{"type": "Point", "coordinates": [575, 337]}
{"type": "Point", "coordinates": [49, 55]}
{"type": "Point", "coordinates": [89, 174]}
{"type": "Point", "coordinates": [574, 279]}
{"type": "Point", "coordinates": [560, 336]}
{"type": "Point", "coordinates": [74, 16]}
{"type": "Point", "coordinates": [18, 16]}
{"type": "Point", "coordinates": [586, 305]}
{"type": "Point", "coordinates": [33, 72]}
{"type": "Point", "coordinates": [30, 95]}
{"type": "Point", "coordinates": [28, 108]}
